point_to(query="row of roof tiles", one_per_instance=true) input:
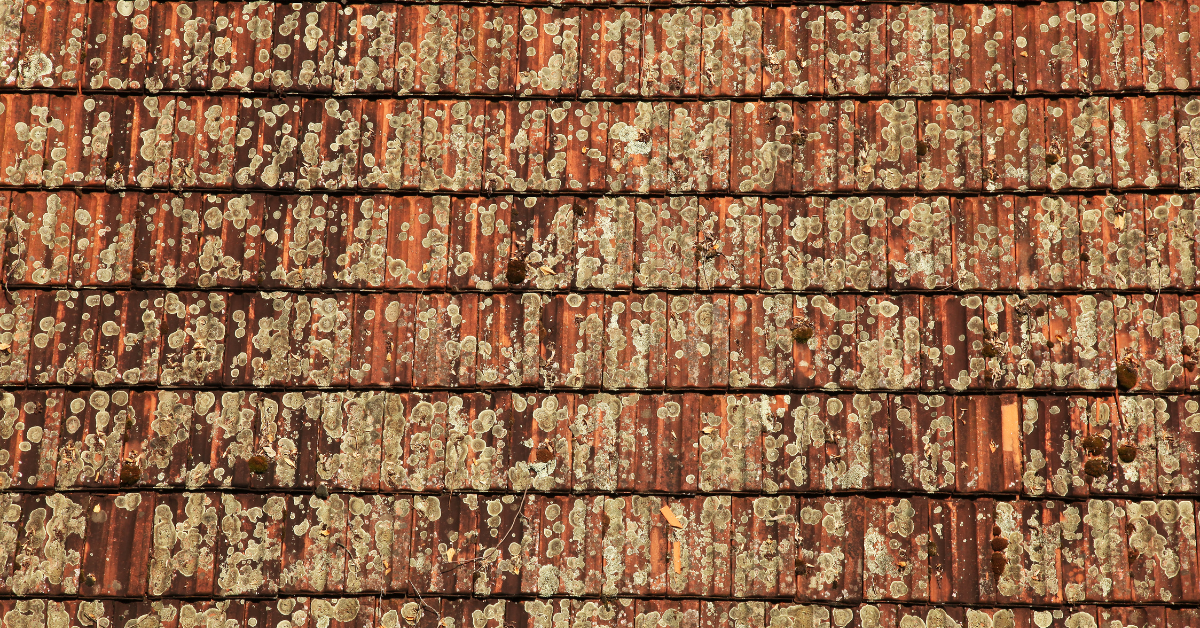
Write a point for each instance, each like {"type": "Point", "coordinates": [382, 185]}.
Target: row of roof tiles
{"type": "Point", "coordinates": [776, 147]}
{"type": "Point", "coordinates": [438, 612]}
{"type": "Point", "coordinates": [1051, 47]}
{"type": "Point", "coordinates": [619, 341]}
{"type": "Point", "coordinates": [1130, 241]}
{"type": "Point", "coordinates": [1031, 445]}
{"type": "Point", "coordinates": [845, 549]}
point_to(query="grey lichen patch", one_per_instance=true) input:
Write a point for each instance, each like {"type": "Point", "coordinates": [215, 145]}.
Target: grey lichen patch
{"type": "Point", "coordinates": [1114, 244]}
{"type": "Point", "coordinates": [320, 526]}
{"type": "Point", "coordinates": [594, 452]}
{"type": "Point", "coordinates": [340, 610]}
{"type": "Point", "coordinates": [858, 42]}
{"type": "Point", "coordinates": [414, 443]}
{"type": "Point", "coordinates": [1057, 224]}
{"type": "Point", "coordinates": [636, 333]}
{"type": "Point", "coordinates": [899, 136]}
{"type": "Point", "coordinates": [1034, 477]}
{"type": "Point", "coordinates": [156, 142]}
{"type": "Point", "coordinates": [605, 250]}
{"type": "Point", "coordinates": [1034, 544]}
{"type": "Point", "coordinates": [891, 356]}
{"type": "Point", "coordinates": [351, 420]}
{"type": "Point", "coordinates": [854, 466]}
{"type": "Point", "coordinates": [46, 553]}
{"type": "Point", "coordinates": [572, 575]}
{"type": "Point", "coordinates": [826, 569]}
{"type": "Point", "coordinates": [452, 140]}
{"type": "Point", "coordinates": [250, 543]}
{"type": "Point", "coordinates": [15, 327]}
{"type": "Point", "coordinates": [185, 547]}
{"type": "Point", "coordinates": [1189, 142]}
{"type": "Point", "coordinates": [805, 615]}
{"type": "Point", "coordinates": [170, 426]}
{"type": "Point", "coordinates": [46, 229]}
{"type": "Point", "coordinates": [933, 464]}
{"type": "Point", "coordinates": [270, 359]}
{"type": "Point", "coordinates": [32, 136]}
{"type": "Point", "coordinates": [892, 549]}
{"type": "Point", "coordinates": [923, 47]}
{"type": "Point", "coordinates": [728, 452]}
{"type": "Point", "coordinates": [93, 437]}
{"type": "Point", "coordinates": [613, 544]}
{"type": "Point", "coordinates": [323, 327]}
{"type": "Point", "coordinates": [928, 255]}
{"type": "Point", "coordinates": [1172, 453]}
{"type": "Point", "coordinates": [196, 349]}
{"type": "Point", "coordinates": [767, 531]}
{"type": "Point", "coordinates": [1105, 521]}
{"type": "Point", "coordinates": [1159, 554]}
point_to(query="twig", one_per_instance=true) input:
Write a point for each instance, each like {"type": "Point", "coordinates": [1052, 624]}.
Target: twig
{"type": "Point", "coordinates": [8, 296]}
{"type": "Point", "coordinates": [421, 600]}
{"type": "Point", "coordinates": [499, 544]}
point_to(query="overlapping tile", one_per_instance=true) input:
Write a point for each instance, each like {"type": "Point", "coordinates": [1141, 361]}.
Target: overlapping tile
{"type": "Point", "coordinates": [521, 315]}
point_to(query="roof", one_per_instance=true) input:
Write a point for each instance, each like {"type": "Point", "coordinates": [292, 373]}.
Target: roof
{"type": "Point", "coordinates": [602, 315]}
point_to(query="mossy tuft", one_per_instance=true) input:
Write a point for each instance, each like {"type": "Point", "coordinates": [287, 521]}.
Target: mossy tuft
{"type": "Point", "coordinates": [258, 464]}
{"type": "Point", "coordinates": [1095, 467]}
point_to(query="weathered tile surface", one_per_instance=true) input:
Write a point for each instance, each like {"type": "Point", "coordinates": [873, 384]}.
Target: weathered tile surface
{"type": "Point", "coordinates": [599, 314]}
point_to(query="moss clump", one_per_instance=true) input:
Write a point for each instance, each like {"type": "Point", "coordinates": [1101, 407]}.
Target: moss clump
{"type": "Point", "coordinates": [515, 273]}
{"type": "Point", "coordinates": [1127, 375]}
{"type": "Point", "coordinates": [999, 562]}
{"type": "Point", "coordinates": [130, 473]}
{"type": "Point", "coordinates": [1095, 467]}
{"type": "Point", "coordinates": [258, 464]}
{"type": "Point", "coordinates": [1093, 444]}
{"type": "Point", "coordinates": [1126, 452]}
{"type": "Point", "coordinates": [999, 544]}
{"type": "Point", "coordinates": [802, 333]}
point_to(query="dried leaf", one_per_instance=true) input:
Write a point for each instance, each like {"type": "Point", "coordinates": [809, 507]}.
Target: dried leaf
{"type": "Point", "coordinates": [671, 518]}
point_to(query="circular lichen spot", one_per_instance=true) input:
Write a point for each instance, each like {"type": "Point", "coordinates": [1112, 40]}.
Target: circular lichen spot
{"type": "Point", "coordinates": [1095, 467]}
{"type": "Point", "coordinates": [1126, 452]}
{"type": "Point", "coordinates": [1127, 376]}
{"type": "Point", "coordinates": [258, 465]}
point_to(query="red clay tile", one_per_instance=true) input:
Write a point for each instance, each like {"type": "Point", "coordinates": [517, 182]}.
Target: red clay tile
{"type": "Point", "coordinates": [732, 51]}
{"type": "Point", "coordinates": [181, 46]}
{"type": "Point", "coordinates": [611, 51]}
{"type": "Point", "coordinates": [1164, 53]}
{"type": "Point", "coordinates": [672, 52]}
{"type": "Point", "coordinates": [856, 46]}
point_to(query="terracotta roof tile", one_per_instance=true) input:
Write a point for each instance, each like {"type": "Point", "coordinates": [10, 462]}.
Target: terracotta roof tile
{"type": "Point", "coordinates": [608, 315]}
